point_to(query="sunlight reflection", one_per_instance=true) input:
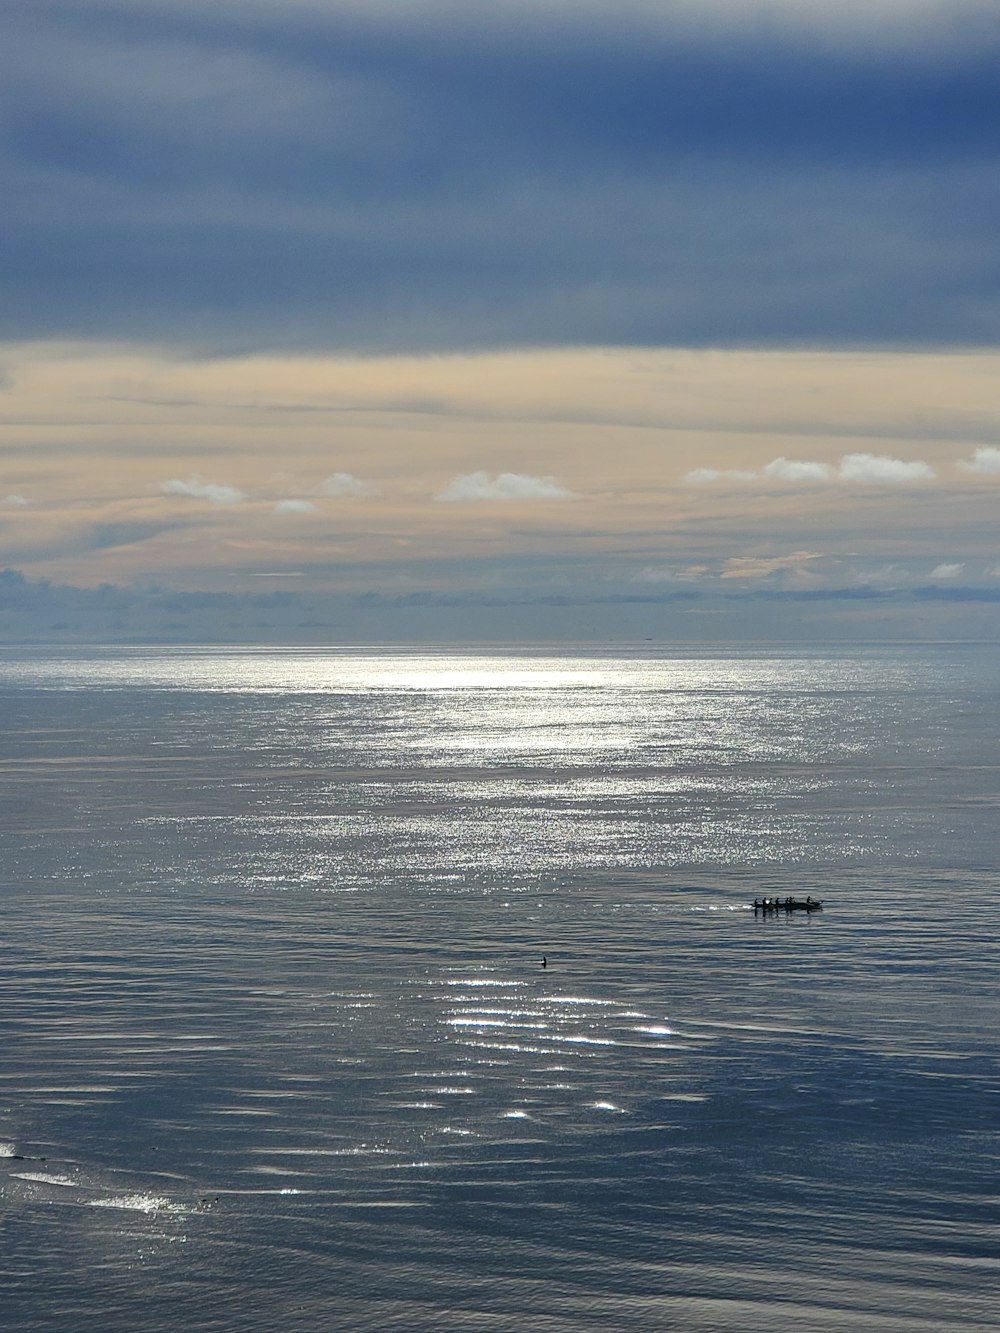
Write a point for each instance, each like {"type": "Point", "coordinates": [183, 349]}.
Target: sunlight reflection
{"type": "Point", "coordinates": [359, 671]}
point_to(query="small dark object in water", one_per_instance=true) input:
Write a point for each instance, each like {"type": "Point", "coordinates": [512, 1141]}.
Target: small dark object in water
{"type": "Point", "coordinates": [545, 961]}
{"type": "Point", "coordinates": [809, 904]}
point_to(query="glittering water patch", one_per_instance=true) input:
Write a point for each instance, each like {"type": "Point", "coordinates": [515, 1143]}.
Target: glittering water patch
{"type": "Point", "coordinates": [141, 1203]}
{"type": "Point", "coordinates": [43, 1178]}
{"type": "Point", "coordinates": [581, 1039]}
{"type": "Point", "coordinates": [474, 982]}
{"type": "Point", "coordinates": [495, 1023]}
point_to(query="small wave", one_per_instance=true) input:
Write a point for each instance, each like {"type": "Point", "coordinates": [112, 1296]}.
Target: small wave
{"type": "Point", "coordinates": [140, 1203]}
{"type": "Point", "coordinates": [494, 1023]}
{"type": "Point", "coordinates": [581, 1040]}
{"type": "Point", "coordinates": [43, 1178]}
{"type": "Point", "coordinates": [494, 1012]}
{"type": "Point", "coordinates": [517, 1047]}
{"type": "Point", "coordinates": [482, 981]}
{"type": "Point", "coordinates": [364, 1150]}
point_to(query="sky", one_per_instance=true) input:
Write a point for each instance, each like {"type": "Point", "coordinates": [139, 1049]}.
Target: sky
{"type": "Point", "coordinates": [409, 320]}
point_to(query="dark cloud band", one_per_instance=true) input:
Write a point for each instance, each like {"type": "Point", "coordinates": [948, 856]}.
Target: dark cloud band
{"type": "Point", "coordinates": [316, 175]}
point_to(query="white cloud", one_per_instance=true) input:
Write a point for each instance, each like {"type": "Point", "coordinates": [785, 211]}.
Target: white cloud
{"type": "Point", "coordinates": [881, 576]}
{"type": "Point", "coordinates": [14, 501]}
{"type": "Point", "coordinates": [796, 470]}
{"type": "Point", "coordinates": [505, 486]}
{"type": "Point", "coordinates": [872, 468]}
{"type": "Point", "coordinates": [761, 567]}
{"type": "Point", "coordinates": [203, 490]}
{"type": "Point", "coordinates": [985, 460]}
{"type": "Point", "coordinates": [343, 483]}
{"type": "Point", "coordinates": [793, 470]}
{"type": "Point", "coordinates": [705, 476]}
{"type": "Point", "coordinates": [946, 571]}
{"type": "Point", "coordinates": [294, 507]}
{"type": "Point", "coordinates": [880, 469]}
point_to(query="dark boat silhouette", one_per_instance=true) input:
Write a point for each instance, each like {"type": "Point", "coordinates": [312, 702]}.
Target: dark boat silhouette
{"type": "Point", "coordinates": [809, 904]}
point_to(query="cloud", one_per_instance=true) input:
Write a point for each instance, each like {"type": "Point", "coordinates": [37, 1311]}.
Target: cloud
{"type": "Point", "coordinates": [294, 507]}
{"type": "Point", "coordinates": [790, 469]}
{"type": "Point", "coordinates": [887, 576]}
{"type": "Point", "coordinates": [14, 501]}
{"type": "Point", "coordinates": [902, 25]}
{"type": "Point", "coordinates": [985, 461]}
{"type": "Point", "coordinates": [947, 571]}
{"type": "Point", "coordinates": [668, 173]}
{"type": "Point", "coordinates": [761, 567]}
{"type": "Point", "coordinates": [871, 468]}
{"type": "Point", "coordinates": [879, 469]}
{"type": "Point", "coordinates": [505, 486]}
{"type": "Point", "coordinates": [343, 483]}
{"type": "Point", "coordinates": [668, 574]}
{"type": "Point", "coordinates": [203, 490]}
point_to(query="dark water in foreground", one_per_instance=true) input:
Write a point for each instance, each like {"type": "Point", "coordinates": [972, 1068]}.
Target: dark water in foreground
{"type": "Point", "coordinates": [279, 1052]}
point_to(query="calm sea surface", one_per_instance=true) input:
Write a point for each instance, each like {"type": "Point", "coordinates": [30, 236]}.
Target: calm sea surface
{"type": "Point", "coordinates": [278, 1050]}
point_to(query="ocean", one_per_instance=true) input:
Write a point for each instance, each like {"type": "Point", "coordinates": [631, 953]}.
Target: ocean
{"type": "Point", "coordinates": [410, 990]}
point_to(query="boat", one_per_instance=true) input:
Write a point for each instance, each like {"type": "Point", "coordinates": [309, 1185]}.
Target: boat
{"type": "Point", "coordinates": [809, 904]}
